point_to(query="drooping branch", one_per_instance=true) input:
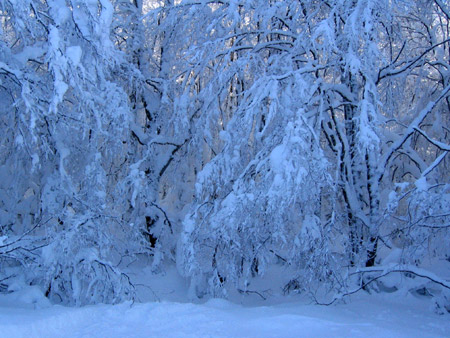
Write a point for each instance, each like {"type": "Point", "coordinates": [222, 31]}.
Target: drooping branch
{"type": "Point", "coordinates": [408, 132]}
{"type": "Point", "coordinates": [438, 144]}
{"type": "Point", "coordinates": [384, 271]}
{"type": "Point", "coordinates": [166, 218]}
{"type": "Point", "coordinates": [388, 71]}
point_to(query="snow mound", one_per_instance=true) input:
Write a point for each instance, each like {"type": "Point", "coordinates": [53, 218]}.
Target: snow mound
{"type": "Point", "coordinates": [29, 297]}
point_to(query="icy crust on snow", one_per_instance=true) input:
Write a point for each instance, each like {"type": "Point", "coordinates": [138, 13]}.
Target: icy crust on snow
{"type": "Point", "coordinates": [363, 317]}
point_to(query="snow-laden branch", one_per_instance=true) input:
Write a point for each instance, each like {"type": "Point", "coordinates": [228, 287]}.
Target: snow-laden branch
{"type": "Point", "coordinates": [167, 220]}
{"type": "Point", "coordinates": [434, 164]}
{"type": "Point", "coordinates": [390, 70]}
{"type": "Point", "coordinates": [409, 131]}
{"type": "Point", "coordinates": [443, 8]}
{"type": "Point", "coordinates": [14, 74]}
{"type": "Point", "coordinates": [26, 233]}
{"type": "Point", "coordinates": [414, 270]}
{"type": "Point", "coordinates": [386, 270]}
{"type": "Point", "coordinates": [438, 144]}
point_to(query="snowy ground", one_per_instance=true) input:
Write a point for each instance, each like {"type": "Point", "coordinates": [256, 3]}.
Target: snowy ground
{"type": "Point", "coordinates": [28, 315]}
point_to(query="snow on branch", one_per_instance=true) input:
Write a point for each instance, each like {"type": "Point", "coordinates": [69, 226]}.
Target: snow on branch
{"type": "Point", "coordinates": [414, 270]}
{"type": "Point", "coordinates": [443, 8]}
{"type": "Point", "coordinates": [386, 270]}
{"type": "Point", "coordinates": [389, 71]}
{"type": "Point", "coordinates": [409, 131]}
{"type": "Point", "coordinates": [438, 144]}
{"type": "Point", "coordinates": [434, 164]}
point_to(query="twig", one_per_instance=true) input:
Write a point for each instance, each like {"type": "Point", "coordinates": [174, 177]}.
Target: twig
{"type": "Point", "coordinates": [250, 292]}
{"type": "Point", "coordinates": [386, 271]}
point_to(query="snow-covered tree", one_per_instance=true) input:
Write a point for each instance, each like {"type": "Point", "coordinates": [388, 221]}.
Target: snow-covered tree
{"type": "Point", "coordinates": [308, 134]}
{"type": "Point", "coordinates": [69, 175]}
{"type": "Point", "coordinates": [296, 96]}
{"type": "Point", "coordinates": [257, 149]}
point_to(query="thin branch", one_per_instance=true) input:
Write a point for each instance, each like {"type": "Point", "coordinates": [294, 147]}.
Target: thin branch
{"type": "Point", "coordinates": [408, 65]}
{"type": "Point", "coordinates": [25, 234]}
{"type": "Point", "coordinates": [411, 129]}
{"type": "Point", "coordinates": [169, 224]}
{"type": "Point", "coordinates": [438, 144]}
{"type": "Point", "coordinates": [386, 271]}
{"type": "Point", "coordinates": [247, 292]}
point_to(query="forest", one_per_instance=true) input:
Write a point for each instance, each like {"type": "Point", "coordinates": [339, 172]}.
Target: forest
{"type": "Point", "coordinates": [228, 138]}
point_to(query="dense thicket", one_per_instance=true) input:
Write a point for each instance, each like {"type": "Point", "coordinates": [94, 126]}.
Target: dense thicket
{"type": "Point", "coordinates": [227, 137]}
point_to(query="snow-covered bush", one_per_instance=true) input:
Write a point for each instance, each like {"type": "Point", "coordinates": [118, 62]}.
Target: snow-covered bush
{"type": "Point", "coordinates": [76, 267]}
{"type": "Point", "coordinates": [67, 150]}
